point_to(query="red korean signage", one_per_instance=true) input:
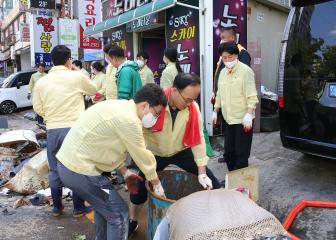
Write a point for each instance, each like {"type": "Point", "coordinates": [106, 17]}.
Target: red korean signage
{"type": "Point", "coordinates": [90, 13]}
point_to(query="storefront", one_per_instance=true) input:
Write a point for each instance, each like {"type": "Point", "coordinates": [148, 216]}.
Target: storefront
{"type": "Point", "coordinates": [190, 26]}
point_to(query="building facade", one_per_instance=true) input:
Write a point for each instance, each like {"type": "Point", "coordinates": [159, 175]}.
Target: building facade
{"type": "Point", "coordinates": [15, 34]}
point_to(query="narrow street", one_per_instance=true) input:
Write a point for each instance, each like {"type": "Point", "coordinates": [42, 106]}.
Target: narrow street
{"type": "Point", "coordinates": [286, 177]}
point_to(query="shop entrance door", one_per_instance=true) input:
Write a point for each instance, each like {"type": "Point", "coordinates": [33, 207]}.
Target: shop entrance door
{"type": "Point", "coordinates": [153, 42]}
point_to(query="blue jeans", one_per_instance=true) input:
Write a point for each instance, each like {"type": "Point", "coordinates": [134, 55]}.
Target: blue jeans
{"type": "Point", "coordinates": [110, 210]}
{"type": "Point", "coordinates": [55, 138]}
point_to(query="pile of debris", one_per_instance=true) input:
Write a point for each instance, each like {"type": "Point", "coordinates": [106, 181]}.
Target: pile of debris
{"type": "Point", "coordinates": [23, 163]}
{"type": "Point", "coordinates": [24, 166]}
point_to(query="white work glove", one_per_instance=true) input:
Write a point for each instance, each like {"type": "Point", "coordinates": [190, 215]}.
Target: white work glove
{"type": "Point", "coordinates": [158, 190]}
{"type": "Point", "coordinates": [247, 122]}
{"type": "Point", "coordinates": [87, 98]}
{"type": "Point", "coordinates": [214, 117]}
{"type": "Point", "coordinates": [131, 179]}
{"type": "Point", "coordinates": [205, 181]}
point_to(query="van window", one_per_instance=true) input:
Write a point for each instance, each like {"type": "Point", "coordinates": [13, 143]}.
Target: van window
{"type": "Point", "coordinates": [311, 47]}
{"type": "Point", "coordinates": [309, 86]}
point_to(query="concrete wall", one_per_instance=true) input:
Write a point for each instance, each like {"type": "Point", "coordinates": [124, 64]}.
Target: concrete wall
{"type": "Point", "coordinates": [265, 28]}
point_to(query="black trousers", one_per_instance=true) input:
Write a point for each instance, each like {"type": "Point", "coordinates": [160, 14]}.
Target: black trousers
{"type": "Point", "coordinates": [237, 146]}
{"type": "Point", "coordinates": [184, 160]}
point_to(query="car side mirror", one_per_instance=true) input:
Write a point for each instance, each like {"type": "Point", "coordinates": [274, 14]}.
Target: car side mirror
{"type": "Point", "coordinates": [18, 85]}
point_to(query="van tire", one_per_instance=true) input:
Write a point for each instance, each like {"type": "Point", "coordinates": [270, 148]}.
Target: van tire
{"type": "Point", "coordinates": [7, 107]}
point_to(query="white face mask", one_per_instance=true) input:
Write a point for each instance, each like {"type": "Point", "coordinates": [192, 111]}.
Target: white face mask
{"type": "Point", "coordinates": [149, 120]}
{"type": "Point", "coordinates": [222, 41]}
{"type": "Point", "coordinates": [140, 63]}
{"type": "Point", "coordinates": [107, 60]}
{"type": "Point", "coordinates": [231, 64]}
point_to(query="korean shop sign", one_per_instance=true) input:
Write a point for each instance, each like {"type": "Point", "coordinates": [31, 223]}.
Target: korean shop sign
{"type": "Point", "coordinates": [143, 23]}
{"type": "Point", "coordinates": [44, 37]}
{"type": "Point", "coordinates": [117, 7]}
{"type": "Point", "coordinates": [90, 13]}
{"type": "Point", "coordinates": [45, 4]}
{"type": "Point", "coordinates": [68, 35]}
{"type": "Point", "coordinates": [123, 39]}
{"type": "Point", "coordinates": [182, 31]}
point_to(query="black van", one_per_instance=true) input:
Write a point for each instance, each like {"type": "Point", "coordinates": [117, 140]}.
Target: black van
{"type": "Point", "coordinates": [307, 79]}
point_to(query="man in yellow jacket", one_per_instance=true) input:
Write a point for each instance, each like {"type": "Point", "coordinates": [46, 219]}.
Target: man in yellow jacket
{"type": "Point", "coordinates": [237, 98]}
{"type": "Point", "coordinates": [177, 138]}
{"type": "Point", "coordinates": [58, 98]}
{"type": "Point", "coordinates": [33, 80]}
{"type": "Point", "coordinates": [145, 72]}
{"type": "Point", "coordinates": [109, 88]}
{"type": "Point", "coordinates": [35, 77]}
{"type": "Point", "coordinates": [98, 144]}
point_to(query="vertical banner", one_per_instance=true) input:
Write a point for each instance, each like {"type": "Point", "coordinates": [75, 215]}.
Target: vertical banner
{"type": "Point", "coordinates": [124, 40]}
{"type": "Point", "coordinates": [43, 36]}
{"type": "Point", "coordinates": [182, 33]}
{"type": "Point", "coordinates": [90, 13]}
{"type": "Point", "coordinates": [24, 29]}
{"type": "Point", "coordinates": [229, 13]}
{"type": "Point", "coordinates": [155, 48]}
{"type": "Point", "coordinates": [68, 35]}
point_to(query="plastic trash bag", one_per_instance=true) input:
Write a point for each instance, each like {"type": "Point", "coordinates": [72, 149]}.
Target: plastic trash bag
{"type": "Point", "coordinates": [32, 177]}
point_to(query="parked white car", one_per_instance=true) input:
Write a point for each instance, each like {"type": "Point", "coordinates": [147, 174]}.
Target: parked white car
{"type": "Point", "coordinates": [14, 91]}
{"type": "Point", "coordinates": [1, 80]}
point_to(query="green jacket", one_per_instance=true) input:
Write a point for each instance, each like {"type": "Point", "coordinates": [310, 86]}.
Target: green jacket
{"type": "Point", "coordinates": [128, 80]}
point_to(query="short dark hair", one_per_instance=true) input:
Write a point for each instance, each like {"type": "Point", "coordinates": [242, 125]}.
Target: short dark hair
{"type": "Point", "coordinates": [144, 55]}
{"type": "Point", "coordinates": [60, 55]}
{"type": "Point", "coordinates": [229, 47]}
{"type": "Point", "coordinates": [116, 51]}
{"type": "Point", "coordinates": [231, 30]}
{"type": "Point", "coordinates": [40, 65]}
{"type": "Point", "coordinates": [183, 80]}
{"type": "Point", "coordinates": [151, 93]}
{"type": "Point", "coordinates": [107, 47]}
{"type": "Point", "coordinates": [98, 66]}
{"type": "Point", "coordinates": [78, 63]}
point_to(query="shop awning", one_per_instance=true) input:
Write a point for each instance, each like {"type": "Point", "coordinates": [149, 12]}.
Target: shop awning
{"type": "Point", "coordinates": [139, 12]}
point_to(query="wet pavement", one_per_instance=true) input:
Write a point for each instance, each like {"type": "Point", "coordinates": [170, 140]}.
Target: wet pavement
{"type": "Point", "coordinates": [286, 177]}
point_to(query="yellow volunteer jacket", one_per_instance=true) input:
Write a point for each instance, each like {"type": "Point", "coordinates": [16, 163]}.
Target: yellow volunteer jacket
{"type": "Point", "coordinates": [102, 136]}
{"type": "Point", "coordinates": [109, 89]}
{"type": "Point", "coordinates": [236, 93]}
{"type": "Point", "coordinates": [86, 73]}
{"type": "Point", "coordinates": [146, 75]}
{"type": "Point", "coordinates": [98, 81]}
{"type": "Point", "coordinates": [58, 98]}
{"type": "Point", "coordinates": [33, 79]}
{"type": "Point", "coordinates": [168, 142]}
{"type": "Point", "coordinates": [168, 75]}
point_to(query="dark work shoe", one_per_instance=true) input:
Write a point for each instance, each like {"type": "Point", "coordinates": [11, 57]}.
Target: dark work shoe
{"type": "Point", "coordinates": [56, 212]}
{"type": "Point", "coordinates": [81, 212]}
{"type": "Point", "coordinates": [132, 227]}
